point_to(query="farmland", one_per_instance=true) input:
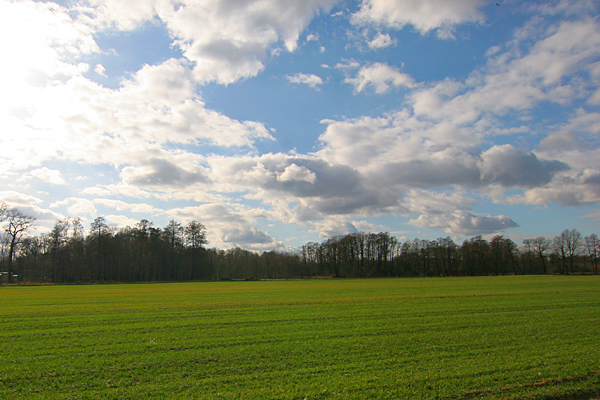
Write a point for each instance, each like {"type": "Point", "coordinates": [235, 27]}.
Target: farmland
{"type": "Point", "coordinates": [532, 337]}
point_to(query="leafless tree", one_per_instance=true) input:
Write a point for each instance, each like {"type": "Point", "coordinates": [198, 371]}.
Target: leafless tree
{"type": "Point", "coordinates": [17, 224]}
{"type": "Point", "coordinates": [592, 245]}
{"type": "Point", "coordinates": [567, 246]}
{"type": "Point", "coordinates": [540, 246]}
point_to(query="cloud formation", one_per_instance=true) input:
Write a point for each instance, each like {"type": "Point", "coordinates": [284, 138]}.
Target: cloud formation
{"type": "Point", "coordinates": [424, 15]}
{"type": "Point", "coordinates": [311, 80]}
{"type": "Point", "coordinates": [520, 128]}
{"type": "Point", "coordinates": [228, 40]}
{"type": "Point", "coordinates": [381, 77]}
{"type": "Point", "coordinates": [161, 173]}
{"type": "Point", "coordinates": [466, 224]}
{"type": "Point", "coordinates": [381, 41]}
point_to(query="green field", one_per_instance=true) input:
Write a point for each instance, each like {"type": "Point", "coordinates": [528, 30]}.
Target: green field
{"type": "Point", "coordinates": [526, 337]}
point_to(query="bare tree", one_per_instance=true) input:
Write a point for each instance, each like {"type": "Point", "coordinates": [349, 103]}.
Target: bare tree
{"type": "Point", "coordinates": [567, 246]}
{"type": "Point", "coordinates": [57, 241]}
{"type": "Point", "coordinates": [527, 252]}
{"type": "Point", "coordinates": [18, 223]}
{"type": "Point", "coordinates": [592, 245]}
{"type": "Point", "coordinates": [540, 246]}
{"type": "Point", "coordinates": [98, 241]}
{"type": "Point", "coordinates": [573, 241]}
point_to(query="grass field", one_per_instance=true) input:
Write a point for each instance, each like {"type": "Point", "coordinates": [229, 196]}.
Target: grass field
{"type": "Point", "coordinates": [445, 338]}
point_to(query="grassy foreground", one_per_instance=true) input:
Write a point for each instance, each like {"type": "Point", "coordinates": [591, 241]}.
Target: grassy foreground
{"type": "Point", "coordinates": [447, 338]}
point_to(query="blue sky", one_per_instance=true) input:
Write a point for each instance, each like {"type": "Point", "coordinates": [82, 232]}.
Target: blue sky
{"type": "Point", "coordinates": [276, 123]}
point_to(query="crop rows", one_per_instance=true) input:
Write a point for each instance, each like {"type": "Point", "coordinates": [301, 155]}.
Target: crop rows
{"type": "Point", "coordinates": [494, 337]}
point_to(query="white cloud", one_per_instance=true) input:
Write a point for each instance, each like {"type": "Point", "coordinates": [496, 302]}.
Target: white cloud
{"type": "Point", "coordinates": [381, 77]}
{"type": "Point", "coordinates": [120, 205]}
{"type": "Point", "coordinates": [427, 202]}
{"type": "Point", "coordinates": [576, 187]}
{"type": "Point", "coordinates": [82, 121]}
{"type": "Point", "coordinates": [333, 226]}
{"type": "Point", "coordinates": [516, 80]}
{"type": "Point", "coordinates": [366, 226]}
{"type": "Point", "coordinates": [369, 143]}
{"type": "Point", "coordinates": [295, 173]}
{"type": "Point", "coordinates": [380, 41]}
{"type": "Point", "coordinates": [41, 214]}
{"type": "Point", "coordinates": [311, 80]}
{"type": "Point", "coordinates": [100, 70]}
{"type": "Point", "coordinates": [228, 227]}
{"type": "Point", "coordinates": [77, 206]}
{"type": "Point", "coordinates": [403, 152]}
{"type": "Point", "coordinates": [45, 174]}
{"type": "Point", "coordinates": [17, 199]}
{"type": "Point", "coordinates": [424, 15]}
{"type": "Point", "coordinates": [120, 221]}
{"type": "Point", "coordinates": [119, 189]}
{"type": "Point", "coordinates": [301, 188]}
{"type": "Point", "coordinates": [465, 223]}
{"type": "Point", "coordinates": [228, 39]}
{"type": "Point", "coordinates": [115, 14]}
{"type": "Point", "coordinates": [422, 159]}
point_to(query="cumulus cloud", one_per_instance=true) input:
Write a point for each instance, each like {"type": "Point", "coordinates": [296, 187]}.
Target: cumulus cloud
{"type": "Point", "coordinates": [573, 188]}
{"type": "Point", "coordinates": [465, 223]}
{"type": "Point", "coordinates": [161, 173]}
{"type": "Point", "coordinates": [83, 121]}
{"type": "Point", "coordinates": [450, 211]}
{"type": "Point", "coordinates": [48, 175]}
{"type": "Point", "coordinates": [381, 77]}
{"type": "Point", "coordinates": [299, 176]}
{"type": "Point", "coordinates": [380, 41]}
{"type": "Point", "coordinates": [228, 227]}
{"type": "Point", "coordinates": [41, 214]}
{"type": "Point", "coordinates": [120, 221]}
{"type": "Point", "coordinates": [437, 172]}
{"type": "Point", "coordinates": [14, 198]}
{"type": "Point", "coordinates": [100, 70]}
{"type": "Point", "coordinates": [294, 172]}
{"type": "Point", "coordinates": [428, 202]}
{"type": "Point", "coordinates": [403, 151]}
{"type": "Point", "coordinates": [303, 188]}
{"type": "Point", "coordinates": [77, 206]}
{"type": "Point", "coordinates": [509, 166]}
{"type": "Point", "coordinates": [120, 205]}
{"type": "Point", "coordinates": [334, 227]}
{"type": "Point", "coordinates": [311, 80]}
{"type": "Point", "coordinates": [424, 16]}
{"type": "Point", "coordinates": [448, 137]}
{"type": "Point", "coordinates": [119, 189]}
{"type": "Point", "coordinates": [228, 40]}
{"type": "Point", "coordinates": [437, 140]}
{"type": "Point", "coordinates": [243, 237]}
{"type": "Point", "coordinates": [517, 77]}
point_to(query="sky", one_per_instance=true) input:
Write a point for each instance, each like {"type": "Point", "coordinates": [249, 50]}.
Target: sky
{"type": "Point", "coordinates": [276, 123]}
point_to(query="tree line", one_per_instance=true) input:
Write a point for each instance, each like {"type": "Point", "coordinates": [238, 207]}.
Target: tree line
{"type": "Point", "coordinates": [177, 252]}
{"type": "Point", "coordinates": [382, 255]}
